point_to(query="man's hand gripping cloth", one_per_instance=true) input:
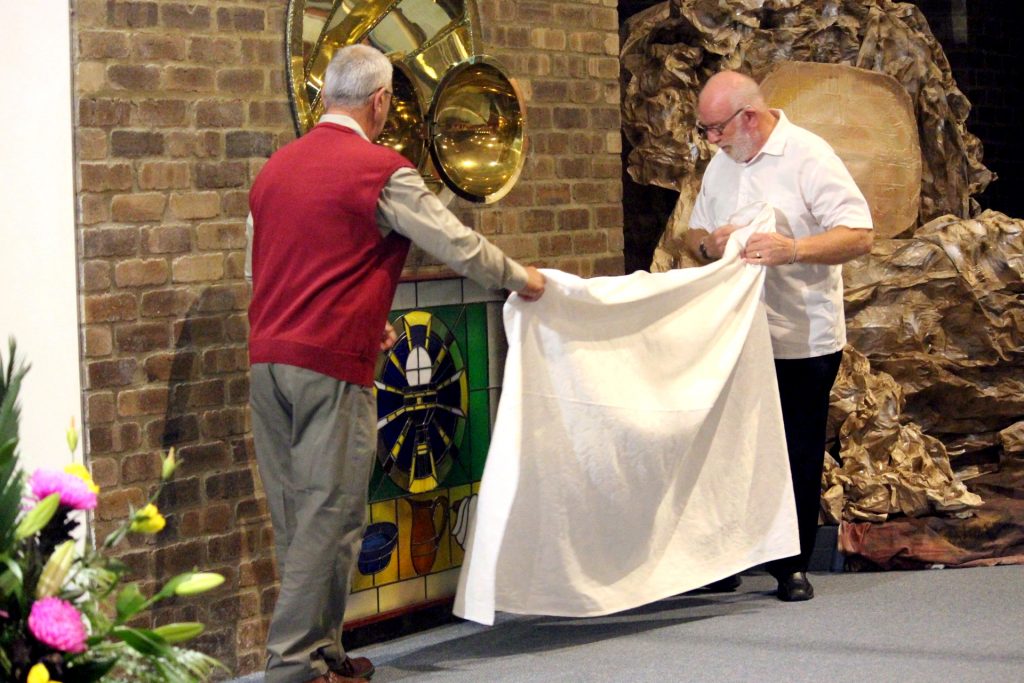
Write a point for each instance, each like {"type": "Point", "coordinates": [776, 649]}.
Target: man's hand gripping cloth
{"type": "Point", "coordinates": [638, 450]}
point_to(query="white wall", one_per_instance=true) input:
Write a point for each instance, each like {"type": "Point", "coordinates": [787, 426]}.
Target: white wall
{"type": "Point", "coordinates": [38, 292]}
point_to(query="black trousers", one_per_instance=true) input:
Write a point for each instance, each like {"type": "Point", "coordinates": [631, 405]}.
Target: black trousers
{"type": "Point", "coordinates": [804, 387]}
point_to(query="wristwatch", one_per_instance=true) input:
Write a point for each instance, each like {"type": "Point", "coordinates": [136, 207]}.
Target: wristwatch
{"type": "Point", "coordinates": [704, 250]}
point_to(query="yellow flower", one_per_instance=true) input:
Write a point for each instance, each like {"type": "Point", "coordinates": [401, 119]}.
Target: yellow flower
{"type": "Point", "coordinates": [83, 474]}
{"type": "Point", "coordinates": [39, 674]}
{"type": "Point", "coordinates": [148, 520]}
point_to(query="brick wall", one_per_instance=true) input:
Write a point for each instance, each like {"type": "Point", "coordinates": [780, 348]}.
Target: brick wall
{"type": "Point", "coordinates": [177, 106]}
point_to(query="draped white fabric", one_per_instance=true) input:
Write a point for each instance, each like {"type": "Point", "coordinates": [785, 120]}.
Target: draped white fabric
{"type": "Point", "coordinates": [638, 450]}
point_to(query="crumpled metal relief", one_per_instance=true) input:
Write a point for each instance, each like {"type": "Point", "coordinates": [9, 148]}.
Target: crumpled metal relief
{"type": "Point", "coordinates": [674, 47]}
{"type": "Point", "coordinates": [888, 465]}
{"type": "Point", "coordinates": [943, 313]}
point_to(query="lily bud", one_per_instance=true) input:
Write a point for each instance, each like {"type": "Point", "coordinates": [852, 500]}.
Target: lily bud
{"type": "Point", "coordinates": [56, 570]}
{"type": "Point", "coordinates": [169, 465]}
{"type": "Point", "coordinates": [200, 582]}
{"type": "Point", "coordinates": [72, 436]}
{"type": "Point", "coordinates": [179, 632]}
{"type": "Point", "coordinates": [37, 517]}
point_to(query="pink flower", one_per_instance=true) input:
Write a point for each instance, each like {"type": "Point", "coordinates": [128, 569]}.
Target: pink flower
{"type": "Point", "coordinates": [56, 623]}
{"type": "Point", "coordinates": [74, 492]}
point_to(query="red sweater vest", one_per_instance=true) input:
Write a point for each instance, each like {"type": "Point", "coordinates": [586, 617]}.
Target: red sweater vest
{"type": "Point", "coordinates": [323, 277]}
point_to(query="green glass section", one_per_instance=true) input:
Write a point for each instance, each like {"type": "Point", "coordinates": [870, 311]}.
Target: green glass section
{"type": "Point", "coordinates": [468, 325]}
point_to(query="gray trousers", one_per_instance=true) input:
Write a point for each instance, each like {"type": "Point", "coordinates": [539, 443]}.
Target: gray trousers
{"type": "Point", "coordinates": [316, 438]}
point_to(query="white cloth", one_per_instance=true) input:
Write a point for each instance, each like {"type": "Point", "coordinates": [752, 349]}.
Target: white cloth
{"type": "Point", "coordinates": [638, 450]}
{"type": "Point", "coordinates": [812, 191]}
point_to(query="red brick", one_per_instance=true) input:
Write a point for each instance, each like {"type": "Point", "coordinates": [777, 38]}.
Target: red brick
{"type": "Point", "coordinates": [249, 144]}
{"type": "Point", "coordinates": [140, 467]}
{"type": "Point", "coordinates": [102, 45]}
{"type": "Point", "coordinates": [204, 145]}
{"type": "Point", "coordinates": [220, 174]}
{"type": "Point", "coordinates": [242, 81]}
{"type": "Point", "coordinates": [104, 471]}
{"type": "Point", "coordinates": [110, 307]}
{"type": "Point", "coordinates": [234, 19]}
{"type": "Point", "coordinates": [99, 408]}
{"type": "Point", "coordinates": [188, 78]}
{"type": "Point", "coordinates": [199, 331]}
{"type": "Point", "coordinates": [163, 175]}
{"type": "Point", "coordinates": [91, 144]}
{"type": "Point", "coordinates": [103, 112]}
{"type": "Point", "coordinates": [142, 337]}
{"type": "Point", "coordinates": [167, 303]}
{"type": "Point", "coordinates": [221, 236]}
{"type": "Point", "coordinates": [118, 504]}
{"type": "Point", "coordinates": [160, 113]}
{"type": "Point", "coordinates": [131, 14]}
{"type": "Point", "coordinates": [134, 144]}
{"type": "Point", "coordinates": [187, 205]}
{"type": "Point", "coordinates": [219, 114]}
{"type": "Point", "coordinates": [207, 49]}
{"type": "Point", "coordinates": [150, 47]}
{"type": "Point", "coordinates": [110, 373]}
{"type": "Point", "coordinates": [105, 176]}
{"type": "Point", "coordinates": [138, 208]}
{"type": "Point", "coordinates": [166, 239]}
{"type": "Point", "coordinates": [133, 77]}
{"type": "Point", "coordinates": [198, 268]}
{"type": "Point", "coordinates": [261, 51]}
{"type": "Point", "coordinates": [193, 17]}
{"type": "Point", "coordinates": [98, 341]}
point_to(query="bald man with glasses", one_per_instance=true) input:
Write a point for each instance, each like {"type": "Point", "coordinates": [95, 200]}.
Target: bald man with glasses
{"type": "Point", "coordinates": [822, 221]}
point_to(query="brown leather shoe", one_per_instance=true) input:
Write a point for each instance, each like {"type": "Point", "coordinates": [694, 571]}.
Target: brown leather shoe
{"type": "Point", "coordinates": [355, 667]}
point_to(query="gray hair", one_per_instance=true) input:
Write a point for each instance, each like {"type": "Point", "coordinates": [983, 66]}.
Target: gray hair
{"type": "Point", "coordinates": [355, 73]}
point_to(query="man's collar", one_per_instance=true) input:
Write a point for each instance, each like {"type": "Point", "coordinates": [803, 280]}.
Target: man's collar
{"type": "Point", "coordinates": [344, 120]}
{"type": "Point", "coordinates": [775, 145]}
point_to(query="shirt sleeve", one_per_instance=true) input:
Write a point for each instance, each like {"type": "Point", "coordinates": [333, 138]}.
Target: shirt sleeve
{"type": "Point", "coordinates": [413, 211]}
{"type": "Point", "coordinates": [835, 198]}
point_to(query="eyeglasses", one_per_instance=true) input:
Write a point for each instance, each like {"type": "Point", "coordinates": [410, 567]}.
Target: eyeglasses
{"type": "Point", "coordinates": [386, 90]}
{"type": "Point", "coordinates": [718, 128]}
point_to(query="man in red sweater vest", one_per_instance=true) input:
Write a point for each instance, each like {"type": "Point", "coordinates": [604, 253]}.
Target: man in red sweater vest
{"type": "Point", "coordinates": [333, 217]}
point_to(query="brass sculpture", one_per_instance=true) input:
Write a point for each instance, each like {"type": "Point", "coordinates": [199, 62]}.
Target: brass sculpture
{"type": "Point", "coordinates": [455, 113]}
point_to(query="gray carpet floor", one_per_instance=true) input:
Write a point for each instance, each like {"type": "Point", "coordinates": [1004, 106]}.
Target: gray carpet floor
{"type": "Point", "coordinates": [937, 625]}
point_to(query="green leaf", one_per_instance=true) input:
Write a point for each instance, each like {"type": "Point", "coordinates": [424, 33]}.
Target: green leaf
{"type": "Point", "coordinates": [11, 478]}
{"type": "Point", "coordinates": [129, 601]}
{"type": "Point", "coordinates": [37, 517]}
{"type": "Point", "coordinates": [11, 579]}
{"type": "Point", "coordinates": [180, 632]}
{"type": "Point", "coordinates": [143, 641]}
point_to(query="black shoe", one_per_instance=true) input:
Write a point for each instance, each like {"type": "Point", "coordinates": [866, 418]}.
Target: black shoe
{"type": "Point", "coordinates": [726, 585]}
{"type": "Point", "coordinates": [794, 588]}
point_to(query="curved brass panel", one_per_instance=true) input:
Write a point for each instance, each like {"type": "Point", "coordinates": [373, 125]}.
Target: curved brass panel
{"type": "Point", "coordinates": [404, 130]}
{"type": "Point", "coordinates": [477, 130]}
{"type": "Point", "coordinates": [433, 45]}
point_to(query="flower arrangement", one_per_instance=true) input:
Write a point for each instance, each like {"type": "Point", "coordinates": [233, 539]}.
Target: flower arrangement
{"type": "Point", "coordinates": [64, 614]}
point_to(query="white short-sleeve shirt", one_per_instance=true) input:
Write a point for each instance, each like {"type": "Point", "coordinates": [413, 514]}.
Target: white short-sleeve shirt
{"type": "Point", "coordinates": [801, 176]}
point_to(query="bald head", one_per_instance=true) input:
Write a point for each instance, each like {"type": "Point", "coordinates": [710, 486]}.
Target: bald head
{"type": "Point", "coordinates": [732, 113]}
{"type": "Point", "coordinates": [728, 91]}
